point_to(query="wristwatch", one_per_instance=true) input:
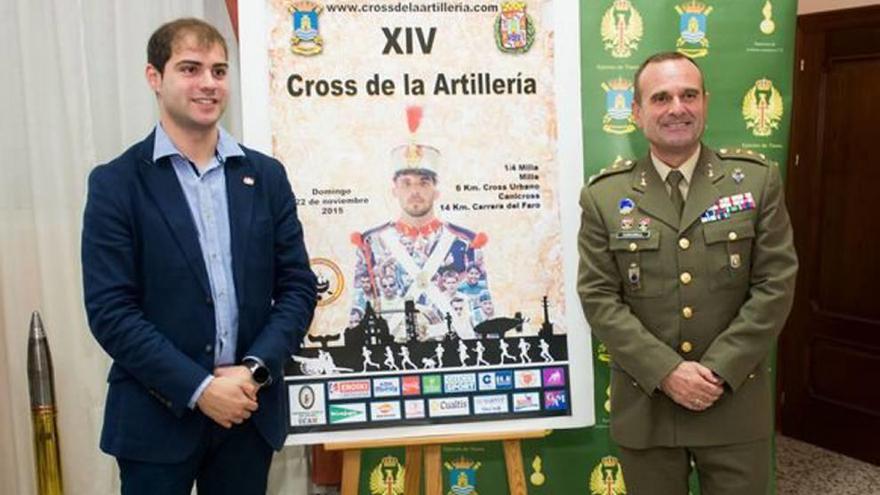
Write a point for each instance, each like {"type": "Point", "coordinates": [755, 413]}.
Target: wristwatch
{"type": "Point", "coordinates": [259, 372]}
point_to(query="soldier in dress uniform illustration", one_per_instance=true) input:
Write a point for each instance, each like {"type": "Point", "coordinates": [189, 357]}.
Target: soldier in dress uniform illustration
{"type": "Point", "coordinates": [418, 257]}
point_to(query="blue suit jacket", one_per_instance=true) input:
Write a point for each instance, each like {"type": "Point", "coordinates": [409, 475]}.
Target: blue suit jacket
{"type": "Point", "coordinates": [149, 302]}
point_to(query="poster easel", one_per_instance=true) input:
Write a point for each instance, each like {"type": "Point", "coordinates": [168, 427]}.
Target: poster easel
{"type": "Point", "coordinates": [428, 447]}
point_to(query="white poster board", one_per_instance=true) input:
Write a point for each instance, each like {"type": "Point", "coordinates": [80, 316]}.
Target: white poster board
{"type": "Point", "coordinates": [435, 151]}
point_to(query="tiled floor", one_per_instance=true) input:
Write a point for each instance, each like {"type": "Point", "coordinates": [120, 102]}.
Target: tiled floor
{"type": "Point", "coordinates": [804, 469]}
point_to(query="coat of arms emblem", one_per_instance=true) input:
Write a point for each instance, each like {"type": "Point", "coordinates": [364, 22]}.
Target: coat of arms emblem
{"type": "Point", "coordinates": [462, 476]}
{"type": "Point", "coordinates": [514, 28]}
{"type": "Point", "coordinates": [762, 108]}
{"type": "Point", "coordinates": [622, 29]}
{"type": "Point", "coordinates": [692, 27]}
{"type": "Point", "coordinates": [331, 282]}
{"type": "Point", "coordinates": [607, 478]}
{"type": "Point", "coordinates": [306, 38]}
{"type": "Point", "coordinates": [387, 477]}
{"type": "Point", "coordinates": [618, 117]}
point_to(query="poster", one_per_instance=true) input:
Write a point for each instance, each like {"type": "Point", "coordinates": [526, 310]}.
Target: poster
{"type": "Point", "coordinates": [435, 156]}
{"type": "Point", "coordinates": [746, 52]}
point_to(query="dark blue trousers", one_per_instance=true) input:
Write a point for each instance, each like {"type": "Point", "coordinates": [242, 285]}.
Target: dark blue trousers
{"type": "Point", "coordinates": [234, 461]}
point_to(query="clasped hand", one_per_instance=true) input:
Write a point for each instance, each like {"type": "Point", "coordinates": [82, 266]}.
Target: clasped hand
{"type": "Point", "coordinates": [231, 397]}
{"type": "Point", "coordinates": [693, 386]}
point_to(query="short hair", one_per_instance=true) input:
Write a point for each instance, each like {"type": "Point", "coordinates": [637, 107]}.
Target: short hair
{"type": "Point", "coordinates": [656, 59]}
{"type": "Point", "coordinates": [171, 34]}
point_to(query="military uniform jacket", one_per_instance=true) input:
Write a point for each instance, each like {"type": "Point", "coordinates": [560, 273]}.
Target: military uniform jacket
{"type": "Point", "coordinates": [714, 287]}
{"type": "Point", "coordinates": [415, 260]}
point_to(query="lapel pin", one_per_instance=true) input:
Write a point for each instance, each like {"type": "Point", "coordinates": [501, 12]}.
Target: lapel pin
{"type": "Point", "coordinates": [643, 182]}
{"type": "Point", "coordinates": [248, 180]}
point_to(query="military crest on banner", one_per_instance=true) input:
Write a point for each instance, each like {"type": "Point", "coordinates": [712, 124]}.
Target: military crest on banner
{"type": "Point", "coordinates": [306, 38]}
{"type": "Point", "coordinates": [607, 404]}
{"type": "Point", "coordinates": [618, 117]}
{"type": "Point", "coordinates": [767, 25]}
{"type": "Point", "coordinates": [462, 476]}
{"type": "Point", "coordinates": [607, 478]}
{"type": "Point", "coordinates": [387, 478]}
{"type": "Point", "coordinates": [514, 28]}
{"type": "Point", "coordinates": [537, 478]}
{"type": "Point", "coordinates": [602, 353]}
{"type": "Point", "coordinates": [762, 108]}
{"type": "Point", "coordinates": [692, 27]}
{"type": "Point", "coordinates": [621, 29]}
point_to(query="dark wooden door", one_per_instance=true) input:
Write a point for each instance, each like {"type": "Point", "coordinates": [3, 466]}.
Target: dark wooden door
{"type": "Point", "coordinates": [830, 348]}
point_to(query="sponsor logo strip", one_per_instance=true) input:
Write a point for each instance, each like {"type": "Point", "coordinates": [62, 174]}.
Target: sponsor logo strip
{"type": "Point", "coordinates": [349, 389]}
{"type": "Point", "coordinates": [553, 377]}
{"type": "Point", "coordinates": [459, 382]}
{"type": "Point", "coordinates": [528, 401]}
{"type": "Point", "coordinates": [386, 387]}
{"type": "Point", "coordinates": [348, 413]}
{"type": "Point", "coordinates": [307, 405]}
{"type": "Point", "coordinates": [555, 400]}
{"type": "Point", "coordinates": [431, 384]}
{"type": "Point", "coordinates": [490, 404]}
{"type": "Point", "coordinates": [412, 385]}
{"type": "Point", "coordinates": [449, 406]}
{"type": "Point", "coordinates": [414, 408]}
{"type": "Point", "coordinates": [527, 378]}
{"type": "Point", "coordinates": [385, 410]}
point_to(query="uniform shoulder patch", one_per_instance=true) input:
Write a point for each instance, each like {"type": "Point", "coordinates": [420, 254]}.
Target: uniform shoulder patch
{"type": "Point", "coordinates": [619, 165]}
{"type": "Point", "coordinates": [745, 155]}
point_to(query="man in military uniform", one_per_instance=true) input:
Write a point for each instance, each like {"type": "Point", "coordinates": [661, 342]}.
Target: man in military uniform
{"type": "Point", "coordinates": [427, 257]}
{"type": "Point", "coordinates": [687, 272]}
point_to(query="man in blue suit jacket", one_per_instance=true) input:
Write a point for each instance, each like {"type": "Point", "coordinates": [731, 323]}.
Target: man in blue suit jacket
{"type": "Point", "coordinates": [197, 284]}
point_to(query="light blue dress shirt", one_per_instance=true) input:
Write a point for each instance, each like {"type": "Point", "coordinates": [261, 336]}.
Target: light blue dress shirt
{"type": "Point", "coordinates": [205, 193]}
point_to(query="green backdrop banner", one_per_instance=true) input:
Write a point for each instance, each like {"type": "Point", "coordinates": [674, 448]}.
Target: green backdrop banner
{"type": "Point", "coordinates": [746, 51]}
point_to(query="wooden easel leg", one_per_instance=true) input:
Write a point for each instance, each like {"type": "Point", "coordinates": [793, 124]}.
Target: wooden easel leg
{"type": "Point", "coordinates": [433, 478]}
{"type": "Point", "coordinates": [516, 476]}
{"type": "Point", "coordinates": [412, 484]}
{"type": "Point", "coordinates": [351, 471]}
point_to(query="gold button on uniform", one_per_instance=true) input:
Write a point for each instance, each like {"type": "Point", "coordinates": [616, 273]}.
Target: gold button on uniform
{"type": "Point", "coordinates": [685, 278]}
{"type": "Point", "coordinates": [732, 236]}
{"type": "Point", "coordinates": [686, 346]}
{"type": "Point", "coordinates": [687, 312]}
{"type": "Point", "coordinates": [684, 243]}
{"type": "Point", "coordinates": [633, 246]}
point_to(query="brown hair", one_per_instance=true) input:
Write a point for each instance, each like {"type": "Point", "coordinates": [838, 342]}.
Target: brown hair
{"type": "Point", "coordinates": [169, 35]}
{"type": "Point", "coordinates": [656, 59]}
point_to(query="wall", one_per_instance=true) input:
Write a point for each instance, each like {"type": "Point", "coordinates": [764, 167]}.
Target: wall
{"type": "Point", "coordinates": [810, 6]}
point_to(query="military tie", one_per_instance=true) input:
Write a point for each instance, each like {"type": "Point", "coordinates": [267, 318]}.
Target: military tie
{"type": "Point", "coordinates": [673, 179]}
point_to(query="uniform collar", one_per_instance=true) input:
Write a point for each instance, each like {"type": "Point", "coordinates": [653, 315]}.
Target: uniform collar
{"type": "Point", "coordinates": [412, 231]}
{"type": "Point", "coordinates": [687, 168]}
